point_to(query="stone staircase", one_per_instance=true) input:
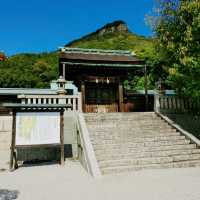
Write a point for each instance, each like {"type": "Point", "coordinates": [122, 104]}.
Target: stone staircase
{"type": "Point", "coordinates": [134, 141]}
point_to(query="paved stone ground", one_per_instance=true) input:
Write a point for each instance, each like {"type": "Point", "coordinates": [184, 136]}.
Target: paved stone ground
{"type": "Point", "coordinates": [52, 182]}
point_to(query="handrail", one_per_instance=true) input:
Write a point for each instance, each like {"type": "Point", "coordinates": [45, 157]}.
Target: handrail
{"type": "Point", "coordinates": [88, 151]}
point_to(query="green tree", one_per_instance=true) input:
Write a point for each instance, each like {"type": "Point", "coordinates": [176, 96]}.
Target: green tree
{"type": "Point", "coordinates": [177, 27]}
{"type": "Point", "coordinates": [29, 70]}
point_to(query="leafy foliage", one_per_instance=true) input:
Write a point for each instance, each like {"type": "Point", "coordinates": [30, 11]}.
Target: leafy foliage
{"type": "Point", "coordinates": [178, 33]}
{"type": "Point", "coordinates": [29, 70]}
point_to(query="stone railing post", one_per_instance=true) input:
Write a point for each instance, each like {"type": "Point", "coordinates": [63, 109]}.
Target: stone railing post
{"type": "Point", "coordinates": [156, 101]}
{"type": "Point", "coordinates": [79, 102]}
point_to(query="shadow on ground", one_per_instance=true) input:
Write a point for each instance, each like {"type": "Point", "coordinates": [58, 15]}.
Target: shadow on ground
{"type": "Point", "coordinates": [8, 194]}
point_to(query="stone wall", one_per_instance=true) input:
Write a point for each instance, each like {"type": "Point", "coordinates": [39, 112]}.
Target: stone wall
{"type": "Point", "coordinates": [70, 132]}
{"type": "Point", "coordinates": [188, 121]}
{"type": "Point", "coordinates": [5, 140]}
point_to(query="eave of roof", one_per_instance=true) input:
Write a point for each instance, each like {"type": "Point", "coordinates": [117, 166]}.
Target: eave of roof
{"type": "Point", "coordinates": [103, 65]}
{"type": "Point", "coordinates": [96, 51]}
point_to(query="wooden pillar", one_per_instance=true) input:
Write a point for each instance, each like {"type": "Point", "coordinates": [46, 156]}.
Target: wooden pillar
{"type": "Point", "coordinates": [121, 98]}
{"type": "Point", "coordinates": [63, 70]}
{"type": "Point", "coordinates": [13, 141]}
{"type": "Point", "coordinates": [83, 95]}
{"type": "Point", "coordinates": [146, 88]}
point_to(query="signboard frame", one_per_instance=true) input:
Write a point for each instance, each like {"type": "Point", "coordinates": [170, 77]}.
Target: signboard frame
{"type": "Point", "coordinates": [13, 156]}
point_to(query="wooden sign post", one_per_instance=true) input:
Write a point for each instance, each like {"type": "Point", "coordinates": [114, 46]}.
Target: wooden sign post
{"type": "Point", "coordinates": [37, 128]}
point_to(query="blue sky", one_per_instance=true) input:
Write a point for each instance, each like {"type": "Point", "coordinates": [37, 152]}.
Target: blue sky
{"type": "Point", "coordinates": [45, 25]}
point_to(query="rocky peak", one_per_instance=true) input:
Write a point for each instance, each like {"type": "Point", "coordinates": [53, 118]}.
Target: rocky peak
{"type": "Point", "coordinates": [116, 26]}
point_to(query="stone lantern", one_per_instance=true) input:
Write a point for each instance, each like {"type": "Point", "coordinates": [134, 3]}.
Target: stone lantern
{"type": "Point", "coordinates": [160, 87]}
{"type": "Point", "coordinates": [61, 85]}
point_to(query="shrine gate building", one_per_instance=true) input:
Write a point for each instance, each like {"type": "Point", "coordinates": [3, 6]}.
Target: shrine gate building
{"type": "Point", "coordinates": [99, 75]}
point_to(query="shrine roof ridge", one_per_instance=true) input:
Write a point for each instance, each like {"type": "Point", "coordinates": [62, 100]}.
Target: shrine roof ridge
{"type": "Point", "coordinates": [97, 51]}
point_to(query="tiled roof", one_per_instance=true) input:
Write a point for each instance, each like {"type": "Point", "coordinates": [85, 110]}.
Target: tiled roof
{"type": "Point", "coordinates": [98, 56]}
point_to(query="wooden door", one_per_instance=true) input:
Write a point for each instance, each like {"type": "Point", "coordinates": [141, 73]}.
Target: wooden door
{"type": "Point", "coordinates": [101, 98]}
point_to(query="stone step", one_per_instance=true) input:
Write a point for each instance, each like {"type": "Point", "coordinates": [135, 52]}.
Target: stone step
{"type": "Point", "coordinates": [135, 132]}
{"type": "Point", "coordinates": [104, 157]}
{"type": "Point", "coordinates": [148, 160]}
{"type": "Point", "coordinates": [127, 121]}
{"type": "Point", "coordinates": [120, 114]}
{"type": "Point", "coordinates": [102, 116]}
{"type": "Point", "coordinates": [144, 149]}
{"type": "Point", "coordinates": [133, 141]}
{"type": "Point", "coordinates": [127, 128]}
{"type": "Point", "coordinates": [132, 136]}
{"type": "Point", "coordinates": [97, 141]}
{"type": "Point", "coordinates": [119, 169]}
{"type": "Point", "coordinates": [140, 144]}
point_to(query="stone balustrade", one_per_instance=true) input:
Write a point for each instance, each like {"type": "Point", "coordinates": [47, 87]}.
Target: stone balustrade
{"type": "Point", "coordinates": [74, 100]}
{"type": "Point", "coordinates": [175, 104]}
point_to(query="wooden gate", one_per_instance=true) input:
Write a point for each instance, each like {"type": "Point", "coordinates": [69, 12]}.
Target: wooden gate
{"type": "Point", "coordinates": [101, 98]}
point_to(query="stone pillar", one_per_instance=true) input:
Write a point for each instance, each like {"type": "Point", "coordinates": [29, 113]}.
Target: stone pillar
{"type": "Point", "coordinates": [156, 101]}
{"type": "Point", "coordinates": [158, 93]}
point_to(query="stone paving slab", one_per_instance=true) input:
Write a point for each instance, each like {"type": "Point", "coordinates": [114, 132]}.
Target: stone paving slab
{"type": "Point", "coordinates": [50, 182]}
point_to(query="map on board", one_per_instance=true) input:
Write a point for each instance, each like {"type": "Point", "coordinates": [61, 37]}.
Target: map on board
{"type": "Point", "coordinates": [34, 128]}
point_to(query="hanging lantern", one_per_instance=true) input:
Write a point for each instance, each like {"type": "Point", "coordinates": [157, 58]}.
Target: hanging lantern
{"type": "Point", "coordinates": [108, 81]}
{"type": "Point", "coordinates": [97, 80]}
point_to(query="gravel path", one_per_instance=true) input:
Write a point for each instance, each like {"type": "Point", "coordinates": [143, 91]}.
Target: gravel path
{"type": "Point", "coordinates": [52, 182]}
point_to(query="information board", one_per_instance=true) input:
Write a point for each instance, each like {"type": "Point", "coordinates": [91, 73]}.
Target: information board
{"type": "Point", "coordinates": [37, 128]}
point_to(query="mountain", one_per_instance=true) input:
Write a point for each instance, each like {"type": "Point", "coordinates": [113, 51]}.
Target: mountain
{"type": "Point", "coordinates": [115, 35]}
{"type": "Point", "coordinates": [37, 70]}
